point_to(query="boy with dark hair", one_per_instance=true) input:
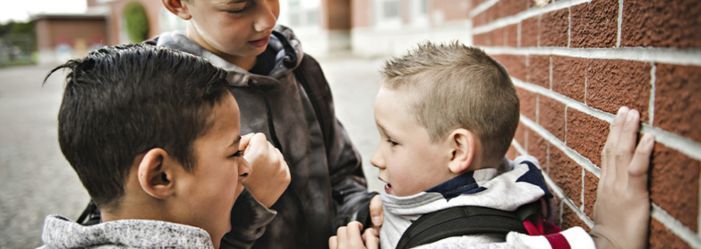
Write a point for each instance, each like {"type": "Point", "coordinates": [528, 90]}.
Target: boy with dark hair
{"type": "Point", "coordinates": [154, 137]}
{"type": "Point", "coordinates": [288, 99]}
{"type": "Point", "coordinates": [446, 115]}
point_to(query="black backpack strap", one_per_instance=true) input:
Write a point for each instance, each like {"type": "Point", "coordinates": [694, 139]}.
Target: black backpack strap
{"type": "Point", "coordinates": [464, 220]}
{"type": "Point", "coordinates": [90, 216]}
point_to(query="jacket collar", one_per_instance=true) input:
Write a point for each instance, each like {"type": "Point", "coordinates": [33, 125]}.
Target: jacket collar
{"type": "Point", "coordinates": [60, 232]}
{"type": "Point", "coordinates": [286, 46]}
{"type": "Point", "coordinates": [520, 183]}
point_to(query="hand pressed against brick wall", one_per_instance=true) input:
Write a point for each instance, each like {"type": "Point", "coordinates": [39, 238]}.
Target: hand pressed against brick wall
{"type": "Point", "coordinates": [576, 63]}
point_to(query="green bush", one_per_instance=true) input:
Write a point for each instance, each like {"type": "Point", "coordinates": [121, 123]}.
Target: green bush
{"type": "Point", "coordinates": [136, 22]}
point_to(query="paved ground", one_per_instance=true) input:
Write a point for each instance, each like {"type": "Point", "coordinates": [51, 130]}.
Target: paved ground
{"type": "Point", "coordinates": [35, 179]}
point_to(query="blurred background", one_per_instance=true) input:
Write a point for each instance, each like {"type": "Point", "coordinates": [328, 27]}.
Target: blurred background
{"type": "Point", "coordinates": [349, 37]}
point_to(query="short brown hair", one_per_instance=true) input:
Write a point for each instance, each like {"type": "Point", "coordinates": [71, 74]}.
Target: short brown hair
{"type": "Point", "coordinates": [458, 87]}
{"type": "Point", "coordinates": [121, 101]}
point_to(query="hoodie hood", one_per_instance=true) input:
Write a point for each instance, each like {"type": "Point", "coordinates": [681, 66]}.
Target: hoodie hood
{"type": "Point", "coordinates": [513, 184]}
{"type": "Point", "coordinates": [521, 183]}
{"type": "Point", "coordinates": [285, 45]}
{"type": "Point", "coordinates": [59, 232]}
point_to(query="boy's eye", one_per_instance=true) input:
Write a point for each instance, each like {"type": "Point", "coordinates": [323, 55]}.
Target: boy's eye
{"type": "Point", "coordinates": [392, 142]}
{"type": "Point", "coordinates": [239, 7]}
{"type": "Point", "coordinates": [237, 154]}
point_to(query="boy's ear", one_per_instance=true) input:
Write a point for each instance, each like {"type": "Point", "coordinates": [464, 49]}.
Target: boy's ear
{"type": "Point", "coordinates": [463, 145]}
{"type": "Point", "coordinates": [177, 7]}
{"type": "Point", "coordinates": [155, 174]}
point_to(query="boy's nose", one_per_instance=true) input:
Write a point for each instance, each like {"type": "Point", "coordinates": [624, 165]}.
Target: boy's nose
{"type": "Point", "coordinates": [377, 160]}
{"type": "Point", "coordinates": [267, 17]}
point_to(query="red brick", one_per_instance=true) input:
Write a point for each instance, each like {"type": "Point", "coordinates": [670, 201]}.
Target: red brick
{"type": "Point", "coordinates": [515, 65]}
{"type": "Point", "coordinates": [484, 39]}
{"type": "Point", "coordinates": [511, 153]}
{"type": "Point", "coordinates": [661, 24]}
{"type": "Point", "coordinates": [529, 32]}
{"type": "Point", "coordinates": [615, 83]}
{"type": "Point", "coordinates": [586, 135]}
{"type": "Point", "coordinates": [551, 115]}
{"type": "Point", "coordinates": [570, 219]}
{"type": "Point", "coordinates": [675, 185]}
{"type": "Point", "coordinates": [538, 71]}
{"type": "Point", "coordinates": [538, 148]}
{"type": "Point", "coordinates": [553, 29]}
{"type": "Point", "coordinates": [566, 173]}
{"type": "Point", "coordinates": [594, 24]}
{"type": "Point", "coordinates": [491, 14]}
{"type": "Point", "coordinates": [678, 99]}
{"type": "Point", "coordinates": [497, 37]}
{"type": "Point", "coordinates": [661, 237]}
{"type": "Point", "coordinates": [569, 75]}
{"type": "Point", "coordinates": [485, 17]}
{"type": "Point", "coordinates": [499, 9]}
{"type": "Point", "coordinates": [590, 185]}
{"type": "Point", "coordinates": [511, 7]}
{"type": "Point", "coordinates": [528, 101]}
{"type": "Point", "coordinates": [480, 19]}
{"type": "Point", "coordinates": [510, 35]}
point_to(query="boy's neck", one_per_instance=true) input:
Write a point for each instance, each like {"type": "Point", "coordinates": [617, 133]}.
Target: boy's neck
{"type": "Point", "coordinates": [133, 210]}
{"type": "Point", "coordinates": [246, 62]}
{"type": "Point", "coordinates": [486, 164]}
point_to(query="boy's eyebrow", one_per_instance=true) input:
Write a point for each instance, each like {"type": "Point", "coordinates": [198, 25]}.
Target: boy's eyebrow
{"type": "Point", "coordinates": [236, 141]}
{"type": "Point", "coordinates": [382, 129]}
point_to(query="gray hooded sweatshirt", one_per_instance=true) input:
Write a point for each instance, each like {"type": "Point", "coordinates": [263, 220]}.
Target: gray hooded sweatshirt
{"type": "Point", "coordinates": [60, 233]}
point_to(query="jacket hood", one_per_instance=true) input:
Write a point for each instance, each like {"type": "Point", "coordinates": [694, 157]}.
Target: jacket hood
{"type": "Point", "coordinates": [521, 183]}
{"type": "Point", "coordinates": [508, 187]}
{"type": "Point", "coordinates": [287, 49]}
{"type": "Point", "coordinates": [59, 232]}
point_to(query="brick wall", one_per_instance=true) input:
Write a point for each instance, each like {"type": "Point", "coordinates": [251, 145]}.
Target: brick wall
{"type": "Point", "coordinates": [575, 62]}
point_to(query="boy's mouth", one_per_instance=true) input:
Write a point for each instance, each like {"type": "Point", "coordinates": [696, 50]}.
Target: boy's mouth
{"type": "Point", "coordinates": [262, 42]}
{"type": "Point", "coordinates": [388, 186]}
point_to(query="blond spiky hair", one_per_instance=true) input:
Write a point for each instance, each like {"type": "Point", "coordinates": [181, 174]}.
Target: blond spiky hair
{"type": "Point", "coordinates": [458, 87]}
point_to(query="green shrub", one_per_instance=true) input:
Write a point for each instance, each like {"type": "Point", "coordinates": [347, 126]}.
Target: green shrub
{"type": "Point", "coordinates": [136, 22]}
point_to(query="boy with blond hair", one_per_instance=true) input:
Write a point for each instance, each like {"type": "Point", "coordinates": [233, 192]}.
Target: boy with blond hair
{"type": "Point", "coordinates": [446, 115]}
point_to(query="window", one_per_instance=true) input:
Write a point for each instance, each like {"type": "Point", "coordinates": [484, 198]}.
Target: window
{"type": "Point", "coordinates": [390, 9]}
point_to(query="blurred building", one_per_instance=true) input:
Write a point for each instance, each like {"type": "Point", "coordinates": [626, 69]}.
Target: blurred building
{"type": "Point", "coordinates": [64, 36]}
{"type": "Point", "coordinates": [364, 27]}
{"type": "Point", "coordinates": [61, 37]}
{"type": "Point", "coordinates": [374, 27]}
{"type": "Point", "coordinates": [160, 20]}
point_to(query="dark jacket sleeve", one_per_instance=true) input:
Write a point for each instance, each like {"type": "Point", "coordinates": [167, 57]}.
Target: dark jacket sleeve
{"type": "Point", "coordinates": [349, 185]}
{"type": "Point", "coordinates": [248, 220]}
{"type": "Point", "coordinates": [348, 182]}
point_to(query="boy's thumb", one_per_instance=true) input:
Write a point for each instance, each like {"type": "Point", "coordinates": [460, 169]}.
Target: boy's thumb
{"type": "Point", "coordinates": [376, 211]}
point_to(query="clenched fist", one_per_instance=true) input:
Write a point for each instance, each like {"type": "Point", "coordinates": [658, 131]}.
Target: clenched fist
{"type": "Point", "coordinates": [269, 176]}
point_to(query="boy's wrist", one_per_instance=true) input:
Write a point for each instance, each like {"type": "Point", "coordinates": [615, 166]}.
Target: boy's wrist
{"type": "Point", "coordinates": [601, 238]}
